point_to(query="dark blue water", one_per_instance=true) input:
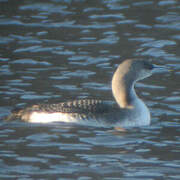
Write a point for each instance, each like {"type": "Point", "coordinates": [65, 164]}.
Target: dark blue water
{"type": "Point", "coordinates": [59, 50]}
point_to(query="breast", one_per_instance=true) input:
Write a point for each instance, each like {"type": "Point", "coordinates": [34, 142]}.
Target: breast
{"type": "Point", "coordinates": [141, 114]}
{"type": "Point", "coordinates": [138, 115]}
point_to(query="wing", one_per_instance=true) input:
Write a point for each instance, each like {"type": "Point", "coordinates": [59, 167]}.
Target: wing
{"type": "Point", "coordinates": [76, 106]}
{"type": "Point", "coordinates": [88, 107]}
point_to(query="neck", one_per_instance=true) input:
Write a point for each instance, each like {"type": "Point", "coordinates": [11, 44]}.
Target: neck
{"type": "Point", "coordinates": [123, 90]}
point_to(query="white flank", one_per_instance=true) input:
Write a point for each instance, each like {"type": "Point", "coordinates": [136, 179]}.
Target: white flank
{"type": "Point", "coordinates": [40, 117]}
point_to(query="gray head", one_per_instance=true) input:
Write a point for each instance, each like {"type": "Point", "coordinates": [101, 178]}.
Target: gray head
{"type": "Point", "coordinates": [127, 73]}
{"type": "Point", "coordinates": [134, 70]}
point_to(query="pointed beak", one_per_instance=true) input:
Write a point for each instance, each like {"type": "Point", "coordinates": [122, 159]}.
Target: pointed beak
{"type": "Point", "coordinates": [160, 69]}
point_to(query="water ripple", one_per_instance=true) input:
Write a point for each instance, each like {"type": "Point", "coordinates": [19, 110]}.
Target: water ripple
{"type": "Point", "coordinates": [56, 50]}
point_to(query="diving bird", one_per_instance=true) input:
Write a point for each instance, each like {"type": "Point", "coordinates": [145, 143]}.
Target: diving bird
{"type": "Point", "coordinates": [127, 110]}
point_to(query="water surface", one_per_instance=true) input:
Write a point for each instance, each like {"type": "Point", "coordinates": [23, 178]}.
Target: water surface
{"type": "Point", "coordinates": [56, 50]}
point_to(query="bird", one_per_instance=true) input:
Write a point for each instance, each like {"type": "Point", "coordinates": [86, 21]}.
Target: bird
{"type": "Point", "coordinates": [126, 109]}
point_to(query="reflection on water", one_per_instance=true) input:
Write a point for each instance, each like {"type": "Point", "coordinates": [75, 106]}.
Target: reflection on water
{"type": "Point", "coordinates": [56, 50]}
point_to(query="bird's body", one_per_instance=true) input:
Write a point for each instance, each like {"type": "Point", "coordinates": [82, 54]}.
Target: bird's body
{"type": "Point", "coordinates": [127, 110]}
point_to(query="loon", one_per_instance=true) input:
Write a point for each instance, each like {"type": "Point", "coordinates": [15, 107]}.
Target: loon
{"type": "Point", "coordinates": [128, 110]}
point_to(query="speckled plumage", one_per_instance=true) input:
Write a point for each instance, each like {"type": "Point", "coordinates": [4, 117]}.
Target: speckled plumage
{"type": "Point", "coordinates": [81, 108]}
{"type": "Point", "coordinates": [76, 106]}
